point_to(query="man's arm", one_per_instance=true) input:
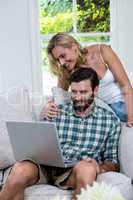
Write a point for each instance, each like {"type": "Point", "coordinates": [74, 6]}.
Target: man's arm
{"type": "Point", "coordinates": [110, 154]}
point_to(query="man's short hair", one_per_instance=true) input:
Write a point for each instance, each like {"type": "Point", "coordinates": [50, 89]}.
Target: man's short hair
{"type": "Point", "coordinates": [85, 73]}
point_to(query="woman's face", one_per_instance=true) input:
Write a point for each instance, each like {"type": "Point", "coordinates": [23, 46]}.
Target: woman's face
{"type": "Point", "coordinates": [66, 56]}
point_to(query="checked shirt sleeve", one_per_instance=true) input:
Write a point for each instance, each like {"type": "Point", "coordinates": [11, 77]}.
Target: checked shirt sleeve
{"type": "Point", "coordinates": [111, 147]}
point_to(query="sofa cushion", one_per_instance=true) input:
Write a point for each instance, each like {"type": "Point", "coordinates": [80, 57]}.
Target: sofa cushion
{"type": "Point", "coordinates": [126, 151]}
{"type": "Point", "coordinates": [43, 192]}
{"type": "Point", "coordinates": [14, 105]}
{"type": "Point", "coordinates": [122, 182]}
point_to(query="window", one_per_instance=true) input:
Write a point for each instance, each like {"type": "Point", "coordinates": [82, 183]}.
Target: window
{"type": "Point", "coordinates": [87, 20]}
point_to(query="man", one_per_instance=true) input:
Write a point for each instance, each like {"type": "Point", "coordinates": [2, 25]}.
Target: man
{"type": "Point", "coordinates": [87, 132]}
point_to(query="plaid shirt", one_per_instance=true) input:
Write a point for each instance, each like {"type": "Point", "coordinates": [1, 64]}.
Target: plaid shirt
{"type": "Point", "coordinates": [95, 136]}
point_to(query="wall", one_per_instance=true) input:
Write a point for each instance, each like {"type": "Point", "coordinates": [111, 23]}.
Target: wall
{"type": "Point", "coordinates": [19, 45]}
{"type": "Point", "coordinates": [122, 32]}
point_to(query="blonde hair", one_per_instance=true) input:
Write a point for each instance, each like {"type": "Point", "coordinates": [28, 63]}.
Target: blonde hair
{"type": "Point", "coordinates": [64, 40]}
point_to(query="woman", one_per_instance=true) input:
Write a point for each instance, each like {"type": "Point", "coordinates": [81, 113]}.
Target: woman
{"type": "Point", "coordinates": [65, 54]}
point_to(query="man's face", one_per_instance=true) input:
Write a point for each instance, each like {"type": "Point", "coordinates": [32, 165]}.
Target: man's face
{"type": "Point", "coordinates": [82, 95]}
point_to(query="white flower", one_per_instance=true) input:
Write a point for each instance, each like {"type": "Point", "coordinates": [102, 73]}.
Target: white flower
{"type": "Point", "coordinates": [100, 191]}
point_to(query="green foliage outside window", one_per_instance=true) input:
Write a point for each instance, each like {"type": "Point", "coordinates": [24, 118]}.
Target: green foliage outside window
{"type": "Point", "coordinates": [57, 15]}
{"type": "Point", "coordinates": [60, 22]}
{"type": "Point", "coordinates": [93, 15]}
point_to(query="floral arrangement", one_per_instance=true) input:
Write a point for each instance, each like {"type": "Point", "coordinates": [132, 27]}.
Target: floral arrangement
{"type": "Point", "coordinates": [100, 191]}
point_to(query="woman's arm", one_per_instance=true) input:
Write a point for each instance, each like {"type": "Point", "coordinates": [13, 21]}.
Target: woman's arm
{"type": "Point", "coordinates": [50, 109]}
{"type": "Point", "coordinates": [121, 77]}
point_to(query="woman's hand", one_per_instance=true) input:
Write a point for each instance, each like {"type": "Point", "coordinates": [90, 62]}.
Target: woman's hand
{"type": "Point", "coordinates": [50, 110]}
{"type": "Point", "coordinates": [130, 121]}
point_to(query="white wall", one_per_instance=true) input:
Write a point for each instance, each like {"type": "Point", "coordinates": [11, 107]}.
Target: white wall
{"type": "Point", "coordinates": [122, 32]}
{"type": "Point", "coordinates": [19, 44]}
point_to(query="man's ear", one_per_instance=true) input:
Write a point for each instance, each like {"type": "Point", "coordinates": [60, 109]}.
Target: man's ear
{"type": "Point", "coordinates": [96, 90]}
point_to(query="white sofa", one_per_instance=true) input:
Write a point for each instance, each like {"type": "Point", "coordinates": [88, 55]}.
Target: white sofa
{"type": "Point", "coordinates": [16, 105]}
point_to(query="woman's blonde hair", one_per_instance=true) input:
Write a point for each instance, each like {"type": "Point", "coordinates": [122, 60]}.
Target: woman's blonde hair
{"type": "Point", "coordinates": [64, 40]}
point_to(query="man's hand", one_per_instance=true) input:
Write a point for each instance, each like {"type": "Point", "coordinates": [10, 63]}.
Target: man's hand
{"type": "Point", "coordinates": [108, 166]}
{"type": "Point", "coordinates": [104, 167]}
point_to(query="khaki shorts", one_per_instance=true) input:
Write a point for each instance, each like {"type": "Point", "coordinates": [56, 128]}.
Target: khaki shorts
{"type": "Point", "coordinates": [47, 175]}
{"type": "Point", "coordinates": [4, 174]}
{"type": "Point", "coordinates": [54, 175]}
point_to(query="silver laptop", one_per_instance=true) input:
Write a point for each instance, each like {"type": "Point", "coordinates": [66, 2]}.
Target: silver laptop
{"type": "Point", "coordinates": [37, 141]}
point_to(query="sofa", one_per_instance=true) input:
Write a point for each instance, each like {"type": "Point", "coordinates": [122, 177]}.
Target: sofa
{"type": "Point", "coordinates": [20, 104]}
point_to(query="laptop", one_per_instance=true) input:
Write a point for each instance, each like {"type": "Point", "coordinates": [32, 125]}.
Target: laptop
{"type": "Point", "coordinates": [37, 141]}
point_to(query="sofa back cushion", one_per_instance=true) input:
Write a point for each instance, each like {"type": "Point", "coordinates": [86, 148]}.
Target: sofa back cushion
{"type": "Point", "coordinates": [126, 151]}
{"type": "Point", "coordinates": [14, 105]}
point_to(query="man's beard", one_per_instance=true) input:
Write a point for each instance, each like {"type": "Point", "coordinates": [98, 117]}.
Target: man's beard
{"type": "Point", "coordinates": [82, 105]}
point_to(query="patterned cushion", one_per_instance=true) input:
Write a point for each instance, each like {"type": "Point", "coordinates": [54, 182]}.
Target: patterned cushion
{"type": "Point", "coordinates": [14, 105]}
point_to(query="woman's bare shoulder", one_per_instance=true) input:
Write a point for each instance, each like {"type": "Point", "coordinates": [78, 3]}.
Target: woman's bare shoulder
{"type": "Point", "coordinates": [95, 46]}
{"type": "Point", "coordinates": [91, 47]}
{"type": "Point", "coordinates": [99, 49]}
{"type": "Point", "coordinates": [105, 46]}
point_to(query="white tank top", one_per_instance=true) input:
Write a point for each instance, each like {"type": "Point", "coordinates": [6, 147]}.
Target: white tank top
{"type": "Point", "coordinates": [109, 90]}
